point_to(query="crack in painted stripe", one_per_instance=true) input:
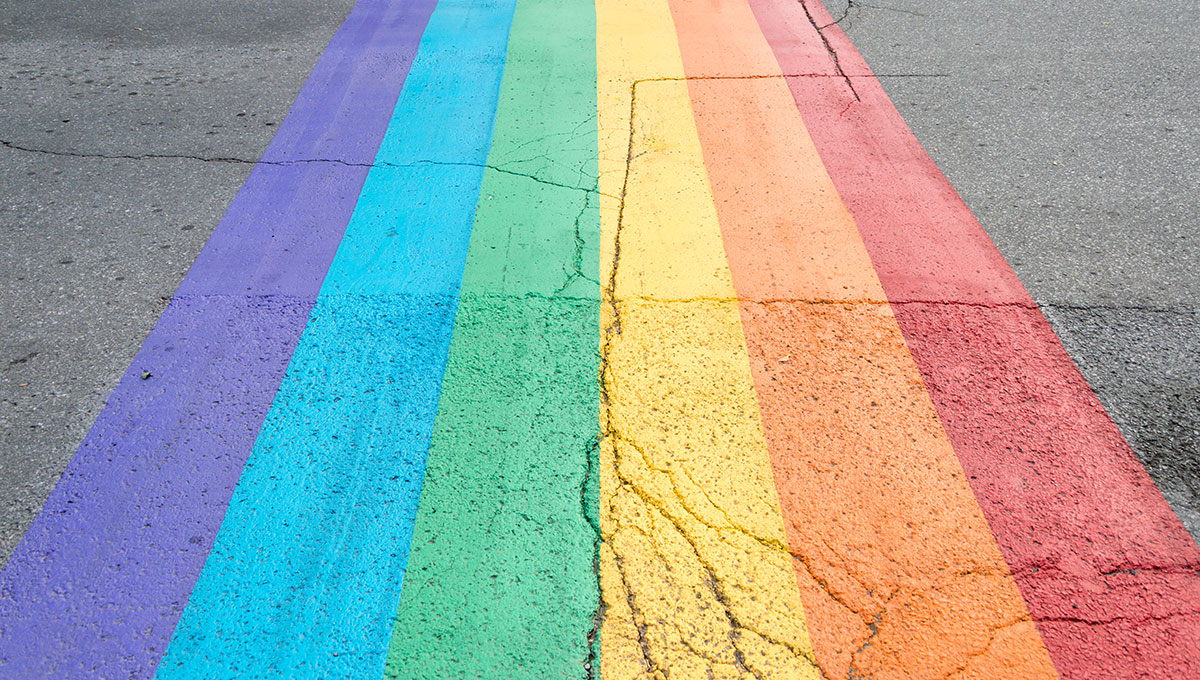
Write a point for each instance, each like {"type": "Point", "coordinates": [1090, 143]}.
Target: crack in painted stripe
{"type": "Point", "coordinates": [1110, 575]}
{"type": "Point", "coordinates": [899, 572]}
{"type": "Point", "coordinates": [695, 570]}
{"type": "Point", "coordinates": [501, 582]}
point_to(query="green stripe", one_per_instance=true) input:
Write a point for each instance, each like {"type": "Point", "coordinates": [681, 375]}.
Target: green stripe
{"type": "Point", "coordinates": [501, 581]}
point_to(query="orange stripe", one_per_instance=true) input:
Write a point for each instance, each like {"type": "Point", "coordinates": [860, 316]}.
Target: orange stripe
{"type": "Point", "coordinates": [899, 572]}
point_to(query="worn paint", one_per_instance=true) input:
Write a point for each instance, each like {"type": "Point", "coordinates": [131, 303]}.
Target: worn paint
{"type": "Point", "coordinates": [897, 566]}
{"type": "Point", "coordinates": [673, 374]}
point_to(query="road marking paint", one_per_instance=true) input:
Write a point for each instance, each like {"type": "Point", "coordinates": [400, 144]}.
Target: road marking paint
{"type": "Point", "coordinates": [306, 571]}
{"type": "Point", "coordinates": [97, 584]}
{"type": "Point", "coordinates": [900, 575]}
{"type": "Point", "coordinates": [501, 581]}
{"type": "Point", "coordinates": [760, 447]}
{"type": "Point", "coordinates": [695, 571]}
{"type": "Point", "coordinates": [1108, 572]}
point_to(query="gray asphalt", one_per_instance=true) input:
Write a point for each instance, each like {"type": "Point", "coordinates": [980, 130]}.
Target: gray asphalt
{"type": "Point", "coordinates": [1070, 130]}
{"type": "Point", "coordinates": [93, 244]}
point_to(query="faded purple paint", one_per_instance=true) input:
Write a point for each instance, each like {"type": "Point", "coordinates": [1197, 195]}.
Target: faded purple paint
{"type": "Point", "coordinates": [97, 585]}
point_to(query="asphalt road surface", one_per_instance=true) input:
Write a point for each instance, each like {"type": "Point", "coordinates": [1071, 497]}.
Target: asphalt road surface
{"type": "Point", "coordinates": [1068, 130]}
{"type": "Point", "coordinates": [118, 119]}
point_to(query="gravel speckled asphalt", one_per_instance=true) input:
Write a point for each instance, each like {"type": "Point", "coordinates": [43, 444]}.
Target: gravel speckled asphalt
{"type": "Point", "coordinates": [92, 247]}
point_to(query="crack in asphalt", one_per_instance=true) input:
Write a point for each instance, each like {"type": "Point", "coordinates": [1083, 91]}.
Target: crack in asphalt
{"type": "Point", "coordinates": [576, 272]}
{"type": "Point", "coordinates": [157, 156]}
{"type": "Point", "coordinates": [712, 582]}
{"type": "Point", "coordinates": [590, 456]}
{"type": "Point", "coordinates": [766, 302]}
{"type": "Point", "coordinates": [850, 5]}
{"type": "Point", "coordinates": [636, 614]}
{"type": "Point", "coordinates": [873, 627]}
{"type": "Point", "coordinates": [1112, 619]}
{"type": "Point", "coordinates": [608, 388]}
{"type": "Point", "coordinates": [856, 5]}
{"type": "Point", "coordinates": [611, 330]}
{"type": "Point", "coordinates": [292, 163]}
{"type": "Point", "coordinates": [1166, 569]}
{"type": "Point", "coordinates": [996, 630]}
{"type": "Point", "coordinates": [833, 55]}
{"type": "Point", "coordinates": [616, 302]}
{"type": "Point", "coordinates": [873, 621]}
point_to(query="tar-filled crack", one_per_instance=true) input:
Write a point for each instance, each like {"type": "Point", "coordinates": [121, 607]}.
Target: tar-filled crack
{"type": "Point", "coordinates": [586, 492]}
{"type": "Point", "coordinates": [153, 156]}
{"type": "Point", "coordinates": [639, 619]}
{"type": "Point", "coordinates": [621, 443]}
{"type": "Point", "coordinates": [611, 330]}
{"type": "Point", "coordinates": [735, 626]}
{"type": "Point", "coordinates": [833, 55]}
{"type": "Point", "coordinates": [711, 580]}
{"type": "Point", "coordinates": [850, 5]}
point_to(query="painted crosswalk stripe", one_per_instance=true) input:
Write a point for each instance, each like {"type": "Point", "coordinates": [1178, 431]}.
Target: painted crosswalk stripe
{"type": "Point", "coordinates": [97, 584]}
{"type": "Point", "coordinates": [501, 581]}
{"type": "Point", "coordinates": [695, 569]}
{"type": "Point", "coordinates": [696, 366]}
{"type": "Point", "coordinates": [308, 566]}
{"type": "Point", "coordinates": [1105, 566]}
{"type": "Point", "coordinates": [898, 569]}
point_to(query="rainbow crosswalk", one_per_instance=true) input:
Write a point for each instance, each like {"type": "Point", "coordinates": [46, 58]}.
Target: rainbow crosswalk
{"type": "Point", "coordinates": [613, 339]}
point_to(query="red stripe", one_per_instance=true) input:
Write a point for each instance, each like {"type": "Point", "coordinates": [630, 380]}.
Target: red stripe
{"type": "Point", "coordinates": [1109, 573]}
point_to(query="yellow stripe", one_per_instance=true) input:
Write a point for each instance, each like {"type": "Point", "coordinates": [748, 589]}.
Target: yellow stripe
{"type": "Point", "coordinates": [694, 565]}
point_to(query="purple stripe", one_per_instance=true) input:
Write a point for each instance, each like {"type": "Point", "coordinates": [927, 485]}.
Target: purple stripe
{"type": "Point", "coordinates": [97, 585]}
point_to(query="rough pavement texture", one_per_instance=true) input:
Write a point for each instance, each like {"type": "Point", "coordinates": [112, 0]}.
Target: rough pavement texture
{"type": "Point", "coordinates": [1070, 132]}
{"type": "Point", "coordinates": [687, 503]}
{"type": "Point", "coordinates": [1065, 130]}
{"type": "Point", "coordinates": [504, 547]}
{"type": "Point", "coordinates": [131, 522]}
{"type": "Point", "coordinates": [895, 560]}
{"type": "Point", "coordinates": [318, 528]}
{"type": "Point", "coordinates": [1102, 561]}
{"type": "Point", "coordinates": [139, 93]}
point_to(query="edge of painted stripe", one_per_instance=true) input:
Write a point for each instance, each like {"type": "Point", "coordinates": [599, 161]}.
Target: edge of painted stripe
{"type": "Point", "coordinates": [99, 580]}
{"type": "Point", "coordinates": [1115, 576]}
{"type": "Point", "coordinates": [304, 577]}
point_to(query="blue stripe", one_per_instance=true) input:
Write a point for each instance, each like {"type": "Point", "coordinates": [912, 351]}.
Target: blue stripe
{"type": "Point", "coordinates": [305, 575]}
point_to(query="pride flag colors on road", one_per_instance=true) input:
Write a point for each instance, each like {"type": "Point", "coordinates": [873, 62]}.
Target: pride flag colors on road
{"type": "Point", "coordinates": [612, 339]}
